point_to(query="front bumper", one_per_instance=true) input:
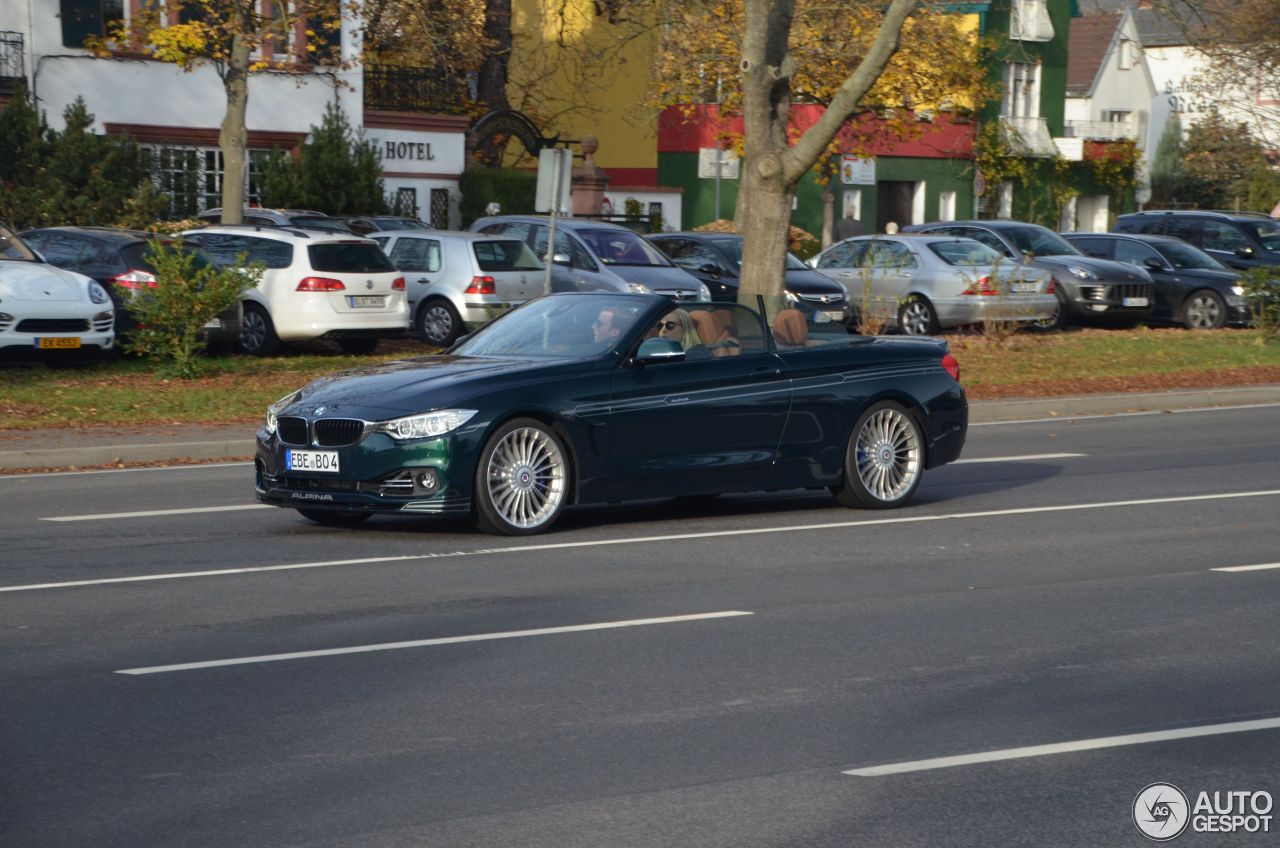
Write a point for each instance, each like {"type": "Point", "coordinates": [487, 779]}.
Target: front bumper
{"type": "Point", "coordinates": [376, 475]}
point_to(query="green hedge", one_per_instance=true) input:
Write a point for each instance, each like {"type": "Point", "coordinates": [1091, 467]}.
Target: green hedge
{"type": "Point", "coordinates": [512, 190]}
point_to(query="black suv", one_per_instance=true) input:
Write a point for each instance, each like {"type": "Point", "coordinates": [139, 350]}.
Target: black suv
{"type": "Point", "coordinates": [1240, 240]}
{"type": "Point", "coordinates": [117, 259]}
{"type": "Point", "coordinates": [1088, 289]}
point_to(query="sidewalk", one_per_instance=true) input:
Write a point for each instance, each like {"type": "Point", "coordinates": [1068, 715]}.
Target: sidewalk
{"type": "Point", "coordinates": [88, 447]}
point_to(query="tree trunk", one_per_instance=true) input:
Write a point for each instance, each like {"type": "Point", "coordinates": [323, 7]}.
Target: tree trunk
{"type": "Point", "coordinates": [234, 137]}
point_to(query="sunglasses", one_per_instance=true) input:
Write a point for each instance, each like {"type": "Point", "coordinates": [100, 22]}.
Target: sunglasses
{"type": "Point", "coordinates": [668, 325]}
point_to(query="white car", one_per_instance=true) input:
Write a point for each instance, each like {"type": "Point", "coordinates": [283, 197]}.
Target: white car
{"type": "Point", "coordinates": [316, 285]}
{"type": "Point", "coordinates": [44, 308]}
{"type": "Point", "coordinates": [460, 281]}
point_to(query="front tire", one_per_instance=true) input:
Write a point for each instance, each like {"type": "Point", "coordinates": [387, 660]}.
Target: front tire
{"type": "Point", "coordinates": [1204, 310]}
{"type": "Point", "coordinates": [439, 322]}
{"type": "Point", "coordinates": [257, 334]}
{"type": "Point", "coordinates": [884, 460]}
{"type": "Point", "coordinates": [522, 479]}
{"type": "Point", "coordinates": [334, 518]}
{"type": "Point", "coordinates": [1058, 319]}
{"type": "Point", "coordinates": [917, 317]}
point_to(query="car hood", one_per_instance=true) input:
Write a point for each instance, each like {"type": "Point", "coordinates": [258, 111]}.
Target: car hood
{"type": "Point", "coordinates": [812, 282]}
{"type": "Point", "coordinates": [41, 283]}
{"type": "Point", "coordinates": [1211, 276]}
{"type": "Point", "coordinates": [657, 277]}
{"type": "Point", "coordinates": [405, 386]}
{"type": "Point", "coordinates": [1107, 269]}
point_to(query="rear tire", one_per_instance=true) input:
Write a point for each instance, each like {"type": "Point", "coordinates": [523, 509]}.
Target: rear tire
{"type": "Point", "coordinates": [334, 518]}
{"type": "Point", "coordinates": [884, 460]}
{"type": "Point", "coordinates": [917, 317]}
{"type": "Point", "coordinates": [1203, 310]}
{"type": "Point", "coordinates": [438, 322]}
{"type": "Point", "coordinates": [257, 333]}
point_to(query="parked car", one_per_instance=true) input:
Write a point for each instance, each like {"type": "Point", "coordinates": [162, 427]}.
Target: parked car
{"type": "Point", "coordinates": [257, 216]}
{"type": "Point", "coordinates": [1240, 240]}
{"type": "Point", "coordinates": [716, 260]}
{"type": "Point", "coordinates": [1192, 288]}
{"type": "Point", "coordinates": [46, 308]}
{"type": "Point", "coordinates": [459, 281]}
{"type": "Point", "coordinates": [923, 283]}
{"type": "Point", "coordinates": [541, 409]}
{"type": "Point", "coordinates": [365, 224]}
{"type": "Point", "coordinates": [1089, 290]}
{"type": "Point", "coordinates": [119, 260]}
{"type": "Point", "coordinates": [315, 285]}
{"type": "Point", "coordinates": [597, 256]}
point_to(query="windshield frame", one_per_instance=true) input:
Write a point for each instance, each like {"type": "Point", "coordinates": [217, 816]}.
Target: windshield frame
{"type": "Point", "coordinates": [14, 249]}
{"type": "Point", "coordinates": [1025, 236]}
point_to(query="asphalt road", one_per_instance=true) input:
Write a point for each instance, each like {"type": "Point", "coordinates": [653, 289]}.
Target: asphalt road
{"type": "Point", "coordinates": [179, 667]}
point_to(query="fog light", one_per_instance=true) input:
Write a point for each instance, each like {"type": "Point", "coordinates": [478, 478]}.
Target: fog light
{"type": "Point", "coordinates": [428, 481]}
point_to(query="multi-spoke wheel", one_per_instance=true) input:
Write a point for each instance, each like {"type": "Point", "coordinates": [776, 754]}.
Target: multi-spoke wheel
{"type": "Point", "coordinates": [522, 479]}
{"type": "Point", "coordinates": [1204, 310]}
{"type": "Point", "coordinates": [917, 318]}
{"type": "Point", "coordinates": [884, 461]}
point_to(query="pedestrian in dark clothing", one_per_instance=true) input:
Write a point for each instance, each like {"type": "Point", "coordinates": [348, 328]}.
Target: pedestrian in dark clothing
{"type": "Point", "coordinates": [848, 227]}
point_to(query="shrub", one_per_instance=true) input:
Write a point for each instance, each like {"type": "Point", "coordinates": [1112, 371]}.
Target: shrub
{"type": "Point", "coordinates": [1262, 291]}
{"type": "Point", "coordinates": [512, 190]}
{"type": "Point", "coordinates": [188, 293]}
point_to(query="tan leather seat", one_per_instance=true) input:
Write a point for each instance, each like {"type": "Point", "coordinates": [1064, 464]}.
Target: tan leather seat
{"type": "Point", "coordinates": [789, 329]}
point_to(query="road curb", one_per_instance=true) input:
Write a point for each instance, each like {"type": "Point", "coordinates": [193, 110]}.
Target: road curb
{"type": "Point", "coordinates": [140, 446]}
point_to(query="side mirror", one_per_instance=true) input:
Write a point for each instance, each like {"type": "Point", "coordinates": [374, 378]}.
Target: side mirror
{"type": "Point", "coordinates": [711, 270]}
{"type": "Point", "coordinates": [562, 259]}
{"type": "Point", "coordinates": [1245, 252]}
{"type": "Point", "coordinates": [1151, 263]}
{"type": "Point", "coordinates": [654, 351]}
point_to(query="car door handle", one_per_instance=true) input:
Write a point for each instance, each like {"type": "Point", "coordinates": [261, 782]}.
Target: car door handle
{"type": "Point", "coordinates": [765, 373]}
{"type": "Point", "coordinates": [424, 279]}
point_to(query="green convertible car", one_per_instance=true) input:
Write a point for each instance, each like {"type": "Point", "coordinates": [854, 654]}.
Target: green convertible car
{"type": "Point", "coordinates": [592, 398]}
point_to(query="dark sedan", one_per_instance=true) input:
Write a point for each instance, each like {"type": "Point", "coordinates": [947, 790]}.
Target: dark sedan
{"type": "Point", "coordinates": [1192, 288]}
{"type": "Point", "coordinates": [592, 398]}
{"type": "Point", "coordinates": [716, 259]}
{"type": "Point", "coordinates": [1089, 290]}
{"type": "Point", "coordinates": [117, 259]}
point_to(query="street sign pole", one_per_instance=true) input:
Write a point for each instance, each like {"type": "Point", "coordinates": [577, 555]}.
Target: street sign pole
{"type": "Point", "coordinates": [553, 194]}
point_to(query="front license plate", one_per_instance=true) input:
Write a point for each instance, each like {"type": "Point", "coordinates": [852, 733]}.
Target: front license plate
{"type": "Point", "coordinates": [366, 301]}
{"type": "Point", "coordinates": [1135, 301]}
{"type": "Point", "coordinates": [215, 324]}
{"type": "Point", "coordinates": [58, 344]}
{"type": "Point", "coordinates": [297, 460]}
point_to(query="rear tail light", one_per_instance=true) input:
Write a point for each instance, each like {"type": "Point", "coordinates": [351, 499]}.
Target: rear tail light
{"type": "Point", "coordinates": [397, 284]}
{"type": "Point", "coordinates": [951, 366]}
{"type": "Point", "coordinates": [320, 284]}
{"type": "Point", "coordinates": [135, 279]}
{"type": "Point", "coordinates": [1052, 287]}
{"type": "Point", "coordinates": [481, 285]}
{"type": "Point", "coordinates": [982, 287]}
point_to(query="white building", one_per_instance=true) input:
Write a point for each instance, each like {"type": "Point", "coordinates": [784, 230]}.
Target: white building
{"type": "Point", "coordinates": [177, 114]}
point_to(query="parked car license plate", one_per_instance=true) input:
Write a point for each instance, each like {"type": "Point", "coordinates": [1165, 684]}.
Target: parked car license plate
{"type": "Point", "coordinates": [62, 343]}
{"type": "Point", "coordinates": [297, 460]}
{"type": "Point", "coordinates": [1135, 301]}
{"type": "Point", "coordinates": [215, 324]}
{"type": "Point", "coordinates": [1023, 287]}
{"type": "Point", "coordinates": [365, 301]}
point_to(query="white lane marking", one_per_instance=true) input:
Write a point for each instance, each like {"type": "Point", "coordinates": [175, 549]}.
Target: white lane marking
{"type": "Point", "coordinates": [553, 546]}
{"type": "Point", "coordinates": [1068, 747]}
{"type": "Point", "coordinates": [202, 465]}
{"type": "Point", "coordinates": [1030, 456]}
{"type": "Point", "coordinates": [1235, 568]}
{"type": "Point", "coordinates": [1069, 417]}
{"type": "Point", "coordinates": [424, 643]}
{"type": "Point", "coordinates": [151, 512]}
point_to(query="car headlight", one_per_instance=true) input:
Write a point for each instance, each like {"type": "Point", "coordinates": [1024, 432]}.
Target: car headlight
{"type": "Point", "coordinates": [704, 293]}
{"type": "Point", "coordinates": [427, 425]}
{"type": "Point", "coordinates": [274, 410]}
{"type": "Point", "coordinates": [97, 293]}
{"type": "Point", "coordinates": [791, 298]}
{"type": "Point", "coordinates": [637, 288]}
{"type": "Point", "coordinates": [1083, 273]}
{"type": "Point", "coordinates": [1238, 291]}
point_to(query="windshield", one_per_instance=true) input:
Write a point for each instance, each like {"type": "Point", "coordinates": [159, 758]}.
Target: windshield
{"type": "Point", "coordinates": [12, 247]}
{"type": "Point", "coordinates": [1039, 241]}
{"type": "Point", "coordinates": [558, 326]}
{"type": "Point", "coordinates": [622, 247]}
{"type": "Point", "coordinates": [1268, 233]}
{"type": "Point", "coordinates": [965, 252]}
{"type": "Point", "coordinates": [1186, 257]}
{"type": "Point", "coordinates": [732, 248]}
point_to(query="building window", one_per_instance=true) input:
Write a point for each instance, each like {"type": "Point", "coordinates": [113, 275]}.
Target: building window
{"type": "Point", "coordinates": [1125, 54]}
{"type": "Point", "coordinates": [946, 206]}
{"type": "Point", "coordinates": [439, 208]}
{"type": "Point", "coordinates": [192, 177]}
{"type": "Point", "coordinates": [82, 19]}
{"type": "Point", "coordinates": [1030, 21]}
{"type": "Point", "coordinates": [1021, 97]}
{"type": "Point", "coordinates": [1005, 209]}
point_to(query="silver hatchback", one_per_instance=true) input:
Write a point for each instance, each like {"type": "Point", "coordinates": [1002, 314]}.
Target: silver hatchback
{"type": "Point", "coordinates": [457, 282]}
{"type": "Point", "coordinates": [921, 284]}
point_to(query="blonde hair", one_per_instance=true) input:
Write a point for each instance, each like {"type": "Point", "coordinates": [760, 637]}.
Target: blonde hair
{"type": "Point", "coordinates": [689, 339]}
